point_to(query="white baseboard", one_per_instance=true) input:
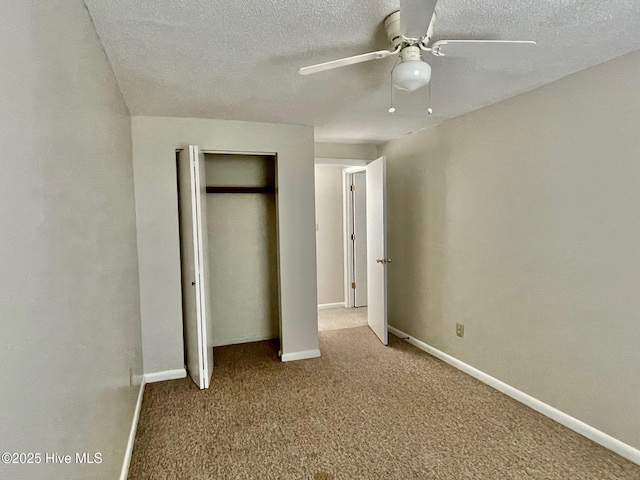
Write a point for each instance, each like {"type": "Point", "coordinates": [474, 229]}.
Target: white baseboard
{"type": "Point", "coordinates": [165, 375]}
{"type": "Point", "coordinates": [326, 306]}
{"type": "Point", "coordinates": [290, 357]}
{"type": "Point", "coordinates": [124, 473]}
{"type": "Point", "coordinates": [245, 339]}
{"type": "Point", "coordinates": [624, 450]}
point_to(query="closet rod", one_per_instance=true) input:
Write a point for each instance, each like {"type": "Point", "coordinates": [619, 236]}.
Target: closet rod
{"type": "Point", "coordinates": [268, 190]}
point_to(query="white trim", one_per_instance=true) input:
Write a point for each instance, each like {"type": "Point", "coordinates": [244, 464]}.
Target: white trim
{"type": "Point", "coordinates": [124, 473]}
{"type": "Point", "coordinates": [246, 339]}
{"type": "Point", "coordinates": [345, 162]}
{"type": "Point", "coordinates": [326, 306]}
{"type": "Point", "coordinates": [289, 357]}
{"type": "Point", "coordinates": [239, 152]}
{"type": "Point", "coordinates": [624, 450]}
{"type": "Point", "coordinates": [165, 375]}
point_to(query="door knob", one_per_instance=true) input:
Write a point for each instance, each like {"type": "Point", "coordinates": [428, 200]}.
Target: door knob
{"type": "Point", "coordinates": [383, 260]}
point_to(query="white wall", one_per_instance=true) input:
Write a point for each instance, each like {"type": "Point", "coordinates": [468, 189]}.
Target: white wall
{"type": "Point", "coordinates": [155, 140]}
{"type": "Point", "coordinates": [353, 151]}
{"type": "Point", "coordinates": [70, 307]}
{"type": "Point", "coordinates": [521, 220]}
{"type": "Point", "coordinates": [329, 234]}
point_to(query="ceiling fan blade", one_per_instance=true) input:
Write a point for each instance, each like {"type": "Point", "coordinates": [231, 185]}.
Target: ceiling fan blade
{"type": "Point", "coordinates": [480, 48]}
{"type": "Point", "coordinates": [415, 17]}
{"type": "Point", "coordinates": [343, 62]}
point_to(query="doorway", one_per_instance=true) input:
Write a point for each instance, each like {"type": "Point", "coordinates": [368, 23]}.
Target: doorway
{"type": "Point", "coordinates": [351, 246]}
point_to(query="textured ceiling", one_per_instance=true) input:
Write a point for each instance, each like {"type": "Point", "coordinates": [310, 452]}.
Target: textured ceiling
{"type": "Point", "coordinates": [238, 60]}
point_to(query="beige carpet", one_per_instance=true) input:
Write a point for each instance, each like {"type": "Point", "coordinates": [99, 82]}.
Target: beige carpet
{"type": "Point", "coordinates": [339, 318]}
{"type": "Point", "coordinates": [361, 411]}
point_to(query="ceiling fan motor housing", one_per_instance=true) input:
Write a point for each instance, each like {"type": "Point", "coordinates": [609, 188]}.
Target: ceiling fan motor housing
{"type": "Point", "coordinates": [394, 35]}
{"type": "Point", "coordinates": [392, 27]}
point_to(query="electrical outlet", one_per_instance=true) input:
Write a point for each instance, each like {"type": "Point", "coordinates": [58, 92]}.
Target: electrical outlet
{"type": "Point", "coordinates": [460, 329]}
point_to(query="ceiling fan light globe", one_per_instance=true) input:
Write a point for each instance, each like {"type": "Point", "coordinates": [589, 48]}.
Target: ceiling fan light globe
{"type": "Point", "coordinates": [411, 75]}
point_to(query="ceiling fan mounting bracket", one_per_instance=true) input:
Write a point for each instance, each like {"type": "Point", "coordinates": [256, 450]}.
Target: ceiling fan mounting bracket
{"type": "Point", "coordinates": [436, 51]}
{"type": "Point", "coordinates": [392, 27]}
{"type": "Point", "coordinates": [425, 48]}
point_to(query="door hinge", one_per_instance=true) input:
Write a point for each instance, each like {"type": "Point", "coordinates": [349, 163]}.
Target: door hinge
{"type": "Point", "coordinates": [353, 236]}
{"type": "Point", "coordinates": [353, 188]}
{"type": "Point", "coordinates": [353, 284]}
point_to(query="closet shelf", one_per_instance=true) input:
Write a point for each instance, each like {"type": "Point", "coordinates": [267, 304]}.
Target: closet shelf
{"type": "Point", "coordinates": [267, 190]}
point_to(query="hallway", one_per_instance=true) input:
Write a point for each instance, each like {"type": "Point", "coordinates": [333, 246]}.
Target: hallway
{"type": "Point", "coordinates": [339, 318]}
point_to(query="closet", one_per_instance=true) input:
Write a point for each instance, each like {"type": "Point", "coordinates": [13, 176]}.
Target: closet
{"type": "Point", "coordinates": [229, 253]}
{"type": "Point", "coordinates": [243, 250]}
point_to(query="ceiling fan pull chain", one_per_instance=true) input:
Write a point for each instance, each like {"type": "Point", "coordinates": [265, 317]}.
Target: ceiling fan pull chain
{"type": "Point", "coordinates": [392, 108]}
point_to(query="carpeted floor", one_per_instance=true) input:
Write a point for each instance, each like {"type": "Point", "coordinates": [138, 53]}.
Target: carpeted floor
{"type": "Point", "coordinates": [339, 318]}
{"type": "Point", "coordinates": [361, 411]}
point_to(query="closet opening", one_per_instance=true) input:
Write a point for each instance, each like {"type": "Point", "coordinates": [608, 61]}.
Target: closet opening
{"type": "Point", "coordinates": [229, 256]}
{"type": "Point", "coordinates": [242, 248]}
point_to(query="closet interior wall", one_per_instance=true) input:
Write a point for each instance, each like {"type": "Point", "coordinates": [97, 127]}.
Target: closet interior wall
{"type": "Point", "coordinates": [243, 248]}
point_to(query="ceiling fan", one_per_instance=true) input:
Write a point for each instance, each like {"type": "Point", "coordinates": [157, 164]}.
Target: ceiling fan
{"type": "Point", "coordinates": [409, 31]}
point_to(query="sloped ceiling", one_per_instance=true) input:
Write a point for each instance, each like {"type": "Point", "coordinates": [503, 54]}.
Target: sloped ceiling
{"type": "Point", "coordinates": [232, 59]}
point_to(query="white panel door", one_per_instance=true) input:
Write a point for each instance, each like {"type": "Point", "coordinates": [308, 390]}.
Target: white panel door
{"type": "Point", "coordinates": [195, 272]}
{"type": "Point", "coordinates": [360, 238]}
{"type": "Point", "coordinates": [377, 260]}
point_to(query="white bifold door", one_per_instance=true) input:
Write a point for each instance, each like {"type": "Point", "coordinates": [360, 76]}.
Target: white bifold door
{"type": "Point", "coordinates": [377, 261]}
{"type": "Point", "coordinates": [359, 239]}
{"type": "Point", "coordinates": [195, 265]}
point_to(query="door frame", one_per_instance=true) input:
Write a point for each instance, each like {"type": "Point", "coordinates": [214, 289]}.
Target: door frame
{"type": "Point", "coordinates": [275, 159]}
{"type": "Point", "coordinates": [349, 165]}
